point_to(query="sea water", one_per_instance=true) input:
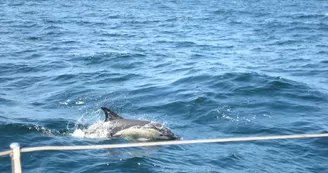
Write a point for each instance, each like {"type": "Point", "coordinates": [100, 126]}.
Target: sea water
{"type": "Point", "coordinates": [204, 68]}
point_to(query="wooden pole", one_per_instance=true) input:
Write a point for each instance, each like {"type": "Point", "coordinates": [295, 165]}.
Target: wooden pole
{"type": "Point", "coordinates": [15, 158]}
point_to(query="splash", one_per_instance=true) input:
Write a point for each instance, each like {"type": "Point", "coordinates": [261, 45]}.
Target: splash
{"type": "Point", "coordinates": [78, 133]}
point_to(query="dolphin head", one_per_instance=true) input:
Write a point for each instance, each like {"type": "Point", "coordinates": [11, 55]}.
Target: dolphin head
{"type": "Point", "coordinates": [163, 132]}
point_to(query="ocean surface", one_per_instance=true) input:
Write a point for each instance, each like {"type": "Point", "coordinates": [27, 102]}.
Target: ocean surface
{"type": "Point", "coordinates": [204, 68]}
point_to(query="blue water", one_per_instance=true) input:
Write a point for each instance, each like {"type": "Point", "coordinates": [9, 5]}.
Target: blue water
{"type": "Point", "coordinates": [204, 68]}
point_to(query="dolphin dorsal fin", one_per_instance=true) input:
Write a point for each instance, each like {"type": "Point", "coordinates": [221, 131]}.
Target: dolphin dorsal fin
{"type": "Point", "coordinates": [110, 115]}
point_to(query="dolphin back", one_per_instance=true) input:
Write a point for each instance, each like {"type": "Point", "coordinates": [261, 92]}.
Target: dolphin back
{"type": "Point", "coordinates": [110, 115]}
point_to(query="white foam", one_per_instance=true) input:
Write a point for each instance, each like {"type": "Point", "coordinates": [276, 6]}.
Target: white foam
{"type": "Point", "coordinates": [78, 133]}
{"type": "Point", "coordinates": [79, 102]}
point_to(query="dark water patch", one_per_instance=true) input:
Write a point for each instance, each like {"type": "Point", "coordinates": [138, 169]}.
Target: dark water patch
{"type": "Point", "coordinates": [33, 56]}
{"type": "Point", "coordinates": [112, 59]}
{"type": "Point", "coordinates": [53, 23]}
{"type": "Point", "coordinates": [272, 86]}
{"type": "Point", "coordinates": [319, 144]}
{"type": "Point", "coordinates": [322, 52]}
{"type": "Point", "coordinates": [25, 83]}
{"type": "Point", "coordinates": [66, 77]}
{"type": "Point", "coordinates": [3, 118]}
{"type": "Point", "coordinates": [23, 26]}
{"type": "Point", "coordinates": [112, 35]}
{"type": "Point", "coordinates": [309, 16]}
{"type": "Point", "coordinates": [69, 42]}
{"type": "Point", "coordinates": [39, 130]}
{"type": "Point", "coordinates": [191, 79]}
{"type": "Point", "coordinates": [140, 22]}
{"type": "Point", "coordinates": [324, 61]}
{"type": "Point", "coordinates": [20, 132]}
{"type": "Point", "coordinates": [315, 66]}
{"type": "Point", "coordinates": [127, 66]}
{"type": "Point", "coordinates": [7, 102]}
{"type": "Point", "coordinates": [51, 28]}
{"type": "Point", "coordinates": [38, 104]}
{"type": "Point", "coordinates": [33, 38]}
{"type": "Point", "coordinates": [176, 108]}
{"type": "Point", "coordinates": [26, 69]}
{"type": "Point", "coordinates": [185, 44]}
{"type": "Point", "coordinates": [107, 79]}
{"type": "Point", "coordinates": [54, 65]}
{"type": "Point", "coordinates": [88, 23]}
{"type": "Point", "coordinates": [150, 89]}
{"type": "Point", "coordinates": [300, 60]}
{"type": "Point", "coordinates": [19, 68]}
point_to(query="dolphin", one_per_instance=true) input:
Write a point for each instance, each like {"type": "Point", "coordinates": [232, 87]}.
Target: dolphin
{"type": "Point", "coordinates": [137, 130]}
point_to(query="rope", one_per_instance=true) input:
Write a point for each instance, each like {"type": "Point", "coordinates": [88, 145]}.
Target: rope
{"type": "Point", "coordinates": [182, 142]}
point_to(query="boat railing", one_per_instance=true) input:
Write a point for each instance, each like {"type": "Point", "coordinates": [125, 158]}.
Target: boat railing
{"type": "Point", "coordinates": [16, 151]}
